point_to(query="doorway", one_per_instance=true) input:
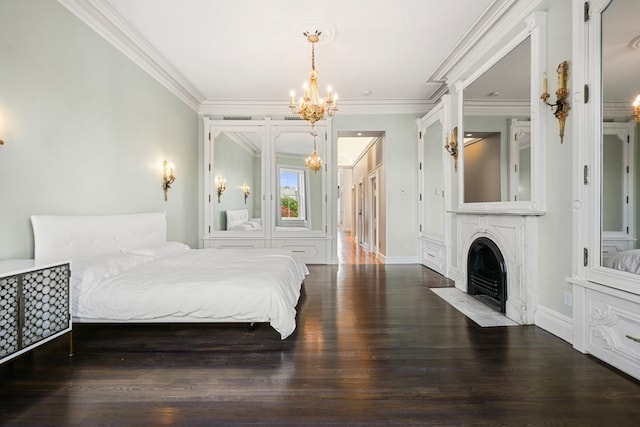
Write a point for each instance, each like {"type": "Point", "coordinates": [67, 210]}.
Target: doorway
{"type": "Point", "coordinates": [360, 203]}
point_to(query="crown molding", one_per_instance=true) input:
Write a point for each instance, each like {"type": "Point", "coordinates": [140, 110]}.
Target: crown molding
{"type": "Point", "coordinates": [280, 107]}
{"type": "Point", "coordinates": [619, 110]}
{"type": "Point", "coordinates": [107, 20]}
{"type": "Point", "coordinates": [498, 108]}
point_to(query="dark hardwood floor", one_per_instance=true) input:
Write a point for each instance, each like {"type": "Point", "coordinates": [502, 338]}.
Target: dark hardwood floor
{"type": "Point", "coordinates": [374, 347]}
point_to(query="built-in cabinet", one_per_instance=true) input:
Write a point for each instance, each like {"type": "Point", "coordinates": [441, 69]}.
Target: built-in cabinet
{"type": "Point", "coordinates": [34, 305]}
{"type": "Point", "coordinates": [260, 193]}
{"type": "Point", "coordinates": [606, 273]}
{"type": "Point", "coordinates": [434, 214]}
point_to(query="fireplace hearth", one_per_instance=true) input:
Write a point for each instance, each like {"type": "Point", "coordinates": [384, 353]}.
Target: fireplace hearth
{"type": "Point", "coordinates": [486, 274]}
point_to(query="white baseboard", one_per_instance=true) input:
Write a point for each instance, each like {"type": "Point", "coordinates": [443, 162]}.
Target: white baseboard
{"type": "Point", "coordinates": [555, 323]}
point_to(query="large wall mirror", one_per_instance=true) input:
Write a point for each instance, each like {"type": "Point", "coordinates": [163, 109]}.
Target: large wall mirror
{"type": "Point", "coordinates": [298, 191]}
{"type": "Point", "coordinates": [502, 150]}
{"type": "Point", "coordinates": [236, 159]}
{"type": "Point", "coordinates": [432, 220]}
{"type": "Point", "coordinates": [618, 135]}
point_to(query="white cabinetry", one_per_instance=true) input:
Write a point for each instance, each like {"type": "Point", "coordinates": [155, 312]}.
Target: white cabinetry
{"type": "Point", "coordinates": [34, 305]}
{"type": "Point", "coordinates": [606, 294]}
{"type": "Point", "coordinates": [258, 191]}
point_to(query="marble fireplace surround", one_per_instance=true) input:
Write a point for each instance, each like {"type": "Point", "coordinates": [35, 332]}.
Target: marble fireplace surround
{"type": "Point", "coordinates": [516, 237]}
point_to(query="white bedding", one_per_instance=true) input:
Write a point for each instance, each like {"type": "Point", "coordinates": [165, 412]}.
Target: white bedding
{"type": "Point", "coordinates": [225, 284]}
{"type": "Point", "coordinates": [124, 270]}
{"type": "Point", "coordinates": [625, 261]}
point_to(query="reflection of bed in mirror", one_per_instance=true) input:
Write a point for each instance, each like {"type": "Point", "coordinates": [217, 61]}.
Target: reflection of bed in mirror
{"type": "Point", "coordinates": [238, 220]}
{"type": "Point", "coordinates": [628, 260]}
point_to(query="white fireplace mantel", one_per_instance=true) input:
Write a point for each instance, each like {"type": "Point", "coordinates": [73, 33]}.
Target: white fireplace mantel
{"type": "Point", "coordinates": [517, 238]}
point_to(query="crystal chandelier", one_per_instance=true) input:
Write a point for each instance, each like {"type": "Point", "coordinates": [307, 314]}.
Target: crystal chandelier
{"type": "Point", "coordinates": [314, 161]}
{"type": "Point", "coordinates": [311, 107]}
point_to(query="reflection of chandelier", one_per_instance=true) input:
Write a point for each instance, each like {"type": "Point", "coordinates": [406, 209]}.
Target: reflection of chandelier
{"type": "Point", "coordinates": [636, 109]}
{"type": "Point", "coordinates": [314, 161]}
{"type": "Point", "coordinates": [311, 107]}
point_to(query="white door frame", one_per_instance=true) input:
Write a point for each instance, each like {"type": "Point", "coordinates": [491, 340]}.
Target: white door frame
{"type": "Point", "coordinates": [374, 212]}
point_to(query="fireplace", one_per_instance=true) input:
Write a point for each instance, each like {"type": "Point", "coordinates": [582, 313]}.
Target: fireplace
{"type": "Point", "coordinates": [487, 274]}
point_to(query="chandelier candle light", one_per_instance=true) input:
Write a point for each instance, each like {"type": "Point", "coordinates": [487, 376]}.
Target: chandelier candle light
{"type": "Point", "coordinates": [314, 161]}
{"type": "Point", "coordinates": [311, 107]}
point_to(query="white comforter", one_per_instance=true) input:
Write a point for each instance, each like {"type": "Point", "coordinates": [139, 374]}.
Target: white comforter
{"type": "Point", "coordinates": [209, 284]}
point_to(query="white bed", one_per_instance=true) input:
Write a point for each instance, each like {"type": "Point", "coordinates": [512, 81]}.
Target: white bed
{"type": "Point", "coordinates": [124, 270]}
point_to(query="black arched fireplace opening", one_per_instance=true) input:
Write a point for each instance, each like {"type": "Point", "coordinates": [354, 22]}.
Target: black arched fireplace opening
{"type": "Point", "coordinates": [487, 273]}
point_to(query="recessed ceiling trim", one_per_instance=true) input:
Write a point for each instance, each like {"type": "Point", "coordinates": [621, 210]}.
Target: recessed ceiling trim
{"type": "Point", "coordinates": [107, 20]}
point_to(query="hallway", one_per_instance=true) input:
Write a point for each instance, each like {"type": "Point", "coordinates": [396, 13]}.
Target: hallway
{"type": "Point", "coordinates": [349, 252]}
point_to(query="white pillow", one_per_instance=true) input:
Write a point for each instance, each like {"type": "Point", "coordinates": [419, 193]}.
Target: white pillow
{"type": "Point", "coordinates": [160, 250]}
{"type": "Point", "coordinates": [236, 217]}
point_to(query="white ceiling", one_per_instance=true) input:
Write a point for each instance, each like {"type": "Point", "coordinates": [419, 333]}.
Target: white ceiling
{"type": "Point", "coordinates": [374, 53]}
{"type": "Point", "coordinates": [244, 57]}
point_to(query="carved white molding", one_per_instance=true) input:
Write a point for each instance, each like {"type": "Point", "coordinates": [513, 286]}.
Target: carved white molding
{"type": "Point", "coordinates": [516, 238]}
{"type": "Point", "coordinates": [600, 320]}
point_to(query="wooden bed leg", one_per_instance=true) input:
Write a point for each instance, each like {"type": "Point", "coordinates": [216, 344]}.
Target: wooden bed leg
{"type": "Point", "coordinates": [71, 343]}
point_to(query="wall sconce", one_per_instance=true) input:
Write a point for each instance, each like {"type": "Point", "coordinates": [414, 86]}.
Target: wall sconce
{"type": "Point", "coordinates": [1, 143]}
{"type": "Point", "coordinates": [561, 105]}
{"type": "Point", "coordinates": [636, 110]}
{"type": "Point", "coordinates": [167, 178]}
{"type": "Point", "coordinates": [246, 191]}
{"type": "Point", "coordinates": [221, 185]}
{"type": "Point", "coordinates": [452, 146]}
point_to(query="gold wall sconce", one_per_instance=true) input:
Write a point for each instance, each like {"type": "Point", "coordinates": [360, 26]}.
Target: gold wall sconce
{"type": "Point", "coordinates": [451, 145]}
{"type": "Point", "coordinates": [167, 177]}
{"type": "Point", "coordinates": [221, 185]}
{"type": "Point", "coordinates": [561, 105]}
{"type": "Point", "coordinates": [636, 109]}
{"type": "Point", "coordinates": [246, 190]}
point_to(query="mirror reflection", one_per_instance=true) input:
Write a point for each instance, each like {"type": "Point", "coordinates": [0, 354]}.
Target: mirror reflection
{"type": "Point", "coordinates": [237, 175]}
{"type": "Point", "coordinates": [298, 189]}
{"type": "Point", "coordinates": [434, 207]}
{"type": "Point", "coordinates": [619, 140]}
{"type": "Point", "coordinates": [497, 156]}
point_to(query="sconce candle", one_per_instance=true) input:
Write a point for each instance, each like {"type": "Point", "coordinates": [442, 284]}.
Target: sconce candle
{"type": "Point", "coordinates": [561, 105]}
{"type": "Point", "coordinates": [221, 185]}
{"type": "Point", "coordinates": [246, 191]}
{"type": "Point", "coordinates": [167, 177]}
{"type": "Point", "coordinates": [451, 145]}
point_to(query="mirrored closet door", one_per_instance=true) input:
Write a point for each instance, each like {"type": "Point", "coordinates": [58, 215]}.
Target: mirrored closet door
{"type": "Point", "coordinates": [265, 186]}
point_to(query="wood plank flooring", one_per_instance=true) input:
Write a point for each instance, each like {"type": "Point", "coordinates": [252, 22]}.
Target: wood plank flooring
{"type": "Point", "coordinates": [349, 252]}
{"type": "Point", "coordinates": [373, 347]}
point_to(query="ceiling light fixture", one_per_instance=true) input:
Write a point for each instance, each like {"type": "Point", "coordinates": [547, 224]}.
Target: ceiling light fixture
{"type": "Point", "coordinates": [314, 161]}
{"type": "Point", "coordinates": [311, 107]}
{"type": "Point", "coordinates": [636, 109]}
